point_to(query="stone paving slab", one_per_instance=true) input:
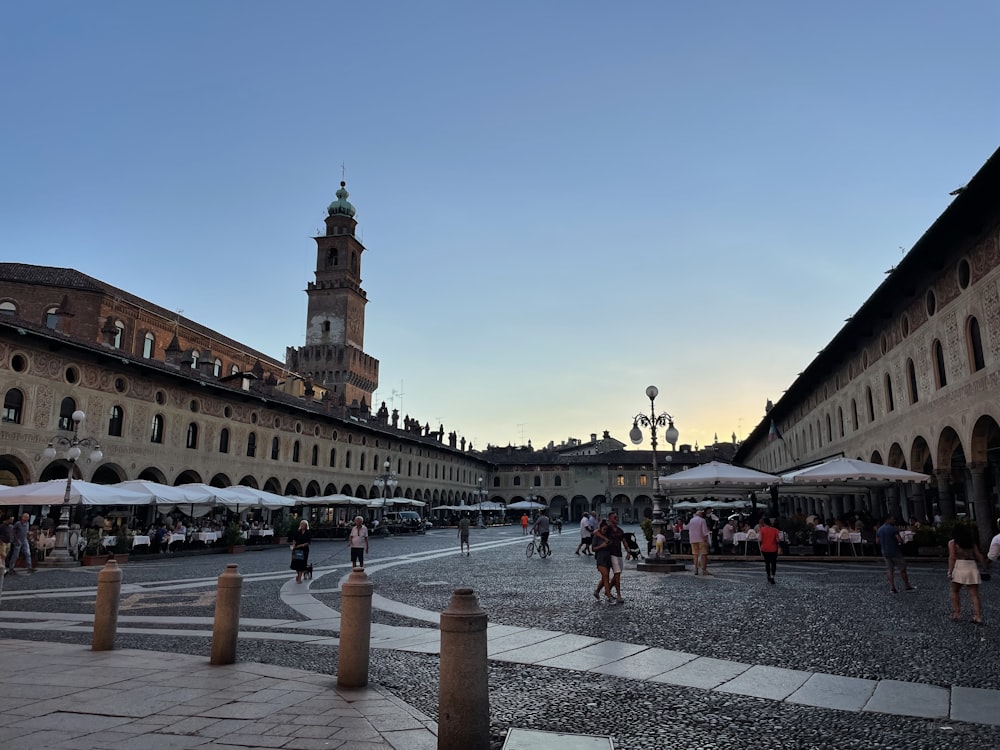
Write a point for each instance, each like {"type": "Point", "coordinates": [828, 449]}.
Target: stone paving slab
{"type": "Point", "coordinates": [533, 739]}
{"type": "Point", "coordinates": [910, 699]}
{"type": "Point", "coordinates": [518, 639]}
{"type": "Point", "coordinates": [976, 705]}
{"type": "Point", "coordinates": [773, 683]}
{"type": "Point", "coordinates": [646, 664]}
{"type": "Point", "coordinates": [702, 672]}
{"type": "Point", "coordinates": [534, 653]}
{"type": "Point", "coordinates": [593, 656]}
{"type": "Point", "coordinates": [833, 691]}
{"type": "Point", "coordinates": [190, 704]}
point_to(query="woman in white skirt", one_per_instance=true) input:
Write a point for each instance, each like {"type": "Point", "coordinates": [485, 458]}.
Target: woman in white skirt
{"type": "Point", "coordinates": [964, 559]}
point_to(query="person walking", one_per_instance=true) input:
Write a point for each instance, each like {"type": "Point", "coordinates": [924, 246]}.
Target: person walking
{"type": "Point", "coordinates": [6, 540]}
{"type": "Point", "coordinates": [768, 539]}
{"type": "Point", "coordinates": [524, 524]}
{"type": "Point", "coordinates": [963, 570]}
{"type": "Point", "coordinates": [602, 556]}
{"type": "Point", "coordinates": [300, 539]}
{"type": "Point", "coordinates": [21, 530]}
{"type": "Point", "coordinates": [358, 539]}
{"type": "Point", "coordinates": [615, 536]}
{"type": "Point", "coordinates": [463, 535]}
{"type": "Point", "coordinates": [698, 536]}
{"type": "Point", "coordinates": [541, 528]}
{"type": "Point", "coordinates": [891, 542]}
{"type": "Point", "coordinates": [585, 534]}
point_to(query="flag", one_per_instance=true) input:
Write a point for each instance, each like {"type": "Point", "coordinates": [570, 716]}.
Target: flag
{"type": "Point", "coordinates": [773, 433]}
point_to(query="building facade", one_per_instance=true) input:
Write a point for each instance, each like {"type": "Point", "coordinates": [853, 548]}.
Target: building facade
{"type": "Point", "coordinates": [913, 378]}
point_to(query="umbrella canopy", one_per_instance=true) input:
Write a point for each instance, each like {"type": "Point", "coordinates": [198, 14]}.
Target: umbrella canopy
{"type": "Point", "coordinates": [525, 505]}
{"type": "Point", "coordinates": [717, 474]}
{"type": "Point", "coordinates": [337, 499]}
{"type": "Point", "coordinates": [851, 471]}
{"type": "Point", "coordinates": [53, 492]}
{"type": "Point", "coordinates": [167, 494]}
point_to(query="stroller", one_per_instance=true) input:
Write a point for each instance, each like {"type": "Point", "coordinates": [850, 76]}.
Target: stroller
{"type": "Point", "coordinates": [632, 547]}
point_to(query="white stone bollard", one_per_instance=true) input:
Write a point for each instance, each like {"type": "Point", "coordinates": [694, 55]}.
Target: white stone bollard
{"type": "Point", "coordinates": [463, 695]}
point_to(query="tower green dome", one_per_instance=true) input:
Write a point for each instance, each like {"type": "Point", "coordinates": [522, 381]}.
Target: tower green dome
{"type": "Point", "coordinates": [341, 205]}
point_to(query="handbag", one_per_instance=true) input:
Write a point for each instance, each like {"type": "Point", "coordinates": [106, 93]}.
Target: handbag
{"type": "Point", "coordinates": [298, 554]}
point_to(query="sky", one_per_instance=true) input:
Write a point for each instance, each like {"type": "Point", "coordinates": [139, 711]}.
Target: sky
{"type": "Point", "coordinates": [562, 202]}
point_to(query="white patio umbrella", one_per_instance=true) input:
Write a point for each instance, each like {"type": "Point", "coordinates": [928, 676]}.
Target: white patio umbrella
{"type": "Point", "coordinates": [852, 471]}
{"type": "Point", "coordinates": [525, 505]}
{"type": "Point", "coordinates": [53, 492]}
{"type": "Point", "coordinates": [717, 475]}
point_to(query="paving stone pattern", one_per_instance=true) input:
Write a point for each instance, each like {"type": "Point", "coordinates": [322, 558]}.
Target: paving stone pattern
{"type": "Point", "coordinates": [827, 657]}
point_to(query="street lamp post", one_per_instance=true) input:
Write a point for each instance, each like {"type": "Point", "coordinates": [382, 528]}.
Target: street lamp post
{"type": "Point", "coordinates": [386, 482]}
{"type": "Point", "coordinates": [651, 422]}
{"type": "Point", "coordinates": [481, 493]}
{"type": "Point", "coordinates": [72, 448]}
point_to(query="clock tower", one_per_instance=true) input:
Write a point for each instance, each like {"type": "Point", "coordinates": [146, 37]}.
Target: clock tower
{"type": "Point", "coordinates": [333, 356]}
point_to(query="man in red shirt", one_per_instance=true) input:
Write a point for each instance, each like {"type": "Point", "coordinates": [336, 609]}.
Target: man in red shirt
{"type": "Point", "coordinates": [768, 538]}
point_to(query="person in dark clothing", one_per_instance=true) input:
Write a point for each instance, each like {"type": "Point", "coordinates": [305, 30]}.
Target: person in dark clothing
{"type": "Point", "coordinates": [300, 539]}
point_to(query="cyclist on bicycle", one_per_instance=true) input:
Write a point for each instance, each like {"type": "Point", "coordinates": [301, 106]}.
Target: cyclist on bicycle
{"type": "Point", "coordinates": [541, 529]}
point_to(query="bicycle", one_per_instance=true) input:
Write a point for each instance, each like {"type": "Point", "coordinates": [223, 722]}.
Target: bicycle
{"type": "Point", "coordinates": [543, 549]}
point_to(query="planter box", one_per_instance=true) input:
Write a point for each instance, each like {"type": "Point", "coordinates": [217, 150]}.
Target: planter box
{"type": "Point", "coordinates": [236, 549]}
{"type": "Point", "coordinates": [95, 559]}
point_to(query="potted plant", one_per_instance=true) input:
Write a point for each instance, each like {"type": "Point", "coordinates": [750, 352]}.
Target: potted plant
{"type": "Point", "coordinates": [94, 552]}
{"type": "Point", "coordinates": [282, 525]}
{"type": "Point", "coordinates": [232, 537]}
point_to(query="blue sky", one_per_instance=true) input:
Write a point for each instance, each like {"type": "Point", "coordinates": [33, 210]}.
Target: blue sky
{"type": "Point", "coordinates": [562, 202]}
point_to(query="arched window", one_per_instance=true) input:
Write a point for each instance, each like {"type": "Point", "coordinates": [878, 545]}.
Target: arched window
{"type": "Point", "coordinates": [333, 458]}
{"type": "Point", "coordinates": [517, 481]}
{"type": "Point", "coordinates": [195, 357]}
{"type": "Point", "coordinates": [275, 448]}
{"type": "Point", "coordinates": [829, 429]}
{"type": "Point", "coordinates": [940, 374]}
{"type": "Point", "coordinates": [496, 481]}
{"type": "Point", "coordinates": [192, 436]}
{"type": "Point", "coordinates": [13, 406]}
{"type": "Point", "coordinates": [116, 342]}
{"type": "Point", "coordinates": [156, 432]}
{"type": "Point", "coordinates": [537, 481]}
{"type": "Point", "coordinates": [52, 318]}
{"type": "Point", "coordinates": [976, 359]}
{"type": "Point", "coordinates": [854, 415]}
{"type": "Point", "coordinates": [66, 409]}
{"type": "Point", "coordinates": [347, 460]}
{"type": "Point", "coordinates": [148, 345]}
{"type": "Point", "coordinates": [234, 369]}
{"type": "Point", "coordinates": [217, 367]}
{"type": "Point", "coordinates": [911, 381]}
{"type": "Point", "coordinates": [116, 422]}
{"type": "Point", "coordinates": [558, 481]}
{"type": "Point", "coordinates": [224, 440]}
{"type": "Point", "coordinates": [840, 419]}
{"type": "Point", "coordinates": [252, 445]}
{"type": "Point", "coordinates": [315, 455]}
{"type": "Point", "coordinates": [890, 402]}
{"type": "Point", "coordinates": [363, 457]}
{"type": "Point", "coordinates": [869, 399]}
{"type": "Point", "coordinates": [295, 452]}
{"type": "Point", "coordinates": [8, 308]}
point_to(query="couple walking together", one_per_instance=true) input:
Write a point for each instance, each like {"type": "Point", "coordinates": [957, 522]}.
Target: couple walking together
{"type": "Point", "coordinates": [607, 545]}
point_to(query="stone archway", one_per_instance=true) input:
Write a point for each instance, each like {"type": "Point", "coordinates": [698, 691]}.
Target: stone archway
{"type": "Point", "coordinates": [950, 473]}
{"type": "Point", "coordinates": [108, 474]}
{"type": "Point", "coordinates": [984, 476]}
{"type": "Point", "coordinates": [187, 477]}
{"type": "Point", "coordinates": [13, 471]}
{"type": "Point", "coordinates": [249, 481]}
{"type": "Point", "coordinates": [312, 489]}
{"type": "Point", "coordinates": [220, 480]}
{"type": "Point", "coordinates": [59, 469]}
{"type": "Point", "coordinates": [152, 474]}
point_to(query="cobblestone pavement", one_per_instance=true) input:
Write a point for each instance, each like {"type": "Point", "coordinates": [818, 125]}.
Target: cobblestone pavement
{"type": "Point", "coordinates": [835, 617]}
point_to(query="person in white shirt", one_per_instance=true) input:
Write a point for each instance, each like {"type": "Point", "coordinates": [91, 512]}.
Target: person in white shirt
{"type": "Point", "coordinates": [358, 539]}
{"type": "Point", "coordinates": [698, 536]}
{"type": "Point", "coordinates": [994, 553]}
{"type": "Point", "coordinates": [586, 532]}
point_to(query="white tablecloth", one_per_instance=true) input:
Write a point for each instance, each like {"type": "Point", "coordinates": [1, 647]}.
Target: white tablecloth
{"type": "Point", "coordinates": [206, 536]}
{"type": "Point", "coordinates": [261, 532]}
{"type": "Point", "coordinates": [138, 541]}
